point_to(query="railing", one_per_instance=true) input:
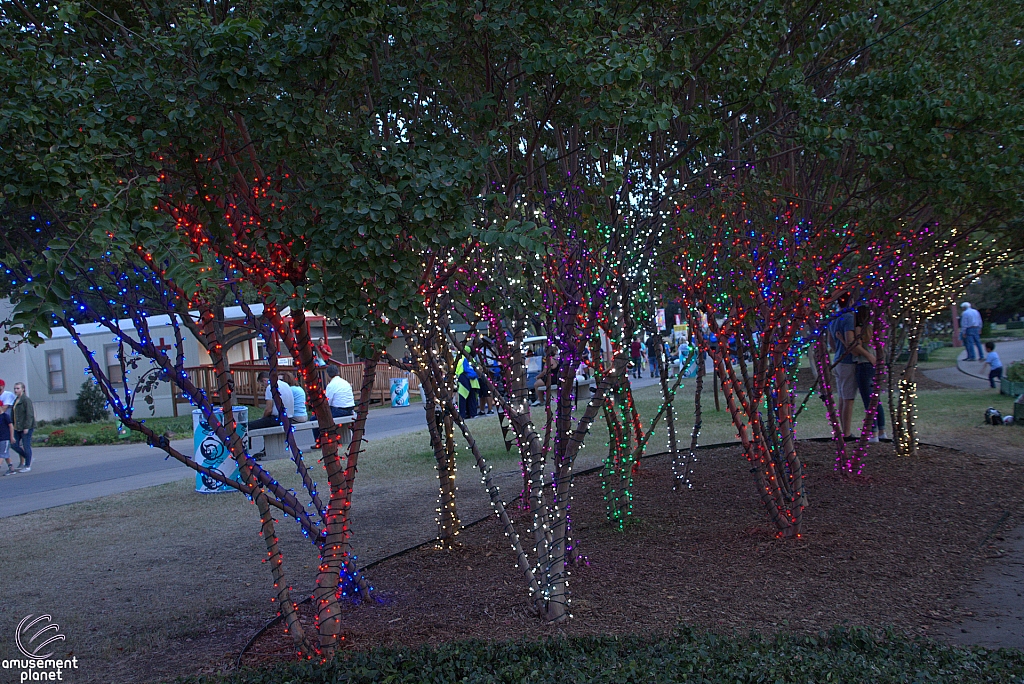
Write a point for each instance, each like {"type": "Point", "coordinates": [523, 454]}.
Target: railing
{"type": "Point", "coordinates": [247, 388]}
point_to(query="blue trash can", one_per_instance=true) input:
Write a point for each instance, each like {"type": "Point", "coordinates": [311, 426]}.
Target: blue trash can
{"type": "Point", "coordinates": [399, 392]}
{"type": "Point", "coordinates": [211, 453]}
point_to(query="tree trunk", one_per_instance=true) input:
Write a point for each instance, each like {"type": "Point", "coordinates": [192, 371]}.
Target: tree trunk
{"type": "Point", "coordinates": [825, 381]}
{"type": "Point", "coordinates": [442, 441]}
{"type": "Point", "coordinates": [335, 554]}
{"type": "Point", "coordinates": [667, 398]}
{"type": "Point", "coordinates": [225, 386]}
{"type": "Point", "coordinates": [682, 474]}
{"type": "Point", "coordinates": [905, 424]}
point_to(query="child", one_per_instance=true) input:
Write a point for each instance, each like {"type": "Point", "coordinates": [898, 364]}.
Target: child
{"type": "Point", "coordinates": [5, 441]}
{"type": "Point", "coordinates": [995, 366]}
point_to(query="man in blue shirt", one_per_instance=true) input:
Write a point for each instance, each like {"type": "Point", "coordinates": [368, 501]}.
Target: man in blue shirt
{"type": "Point", "coordinates": [970, 332]}
{"type": "Point", "coordinates": [841, 337]}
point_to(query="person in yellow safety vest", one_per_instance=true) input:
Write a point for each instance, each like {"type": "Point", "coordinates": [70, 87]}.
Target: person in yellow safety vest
{"type": "Point", "coordinates": [469, 385]}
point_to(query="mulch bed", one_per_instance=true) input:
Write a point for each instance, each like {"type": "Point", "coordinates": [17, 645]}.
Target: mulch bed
{"type": "Point", "coordinates": [895, 548]}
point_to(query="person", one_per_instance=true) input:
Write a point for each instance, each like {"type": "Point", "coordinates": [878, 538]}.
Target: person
{"type": "Point", "coordinates": [5, 441]}
{"type": "Point", "coordinates": [866, 361]}
{"type": "Point", "coordinates": [970, 331]}
{"type": "Point", "coordinates": [995, 366]}
{"type": "Point", "coordinates": [6, 397]}
{"type": "Point", "coordinates": [486, 407]}
{"type": "Point", "coordinates": [270, 414]}
{"type": "Point", "coordinates": [841, 336]}
{"type": "Point", "coordinates": [322, 352]}
{"type": "Point", "coordinates": [653, 359]}
{"type": "Point", "coordinates": [548, 375]}
{"type": "Point", "coordinates": [299, 397]}
{"type": "Point", "coordinates": [469, 385]}
{"type": "Point", "coordinates": [339, 398]}
{"type": "Point", "coordinates": [636, 357]}
{"type": "Point", "coordinates": [493, 371]}
{"type": "Point", "coordinates": [23, 420]}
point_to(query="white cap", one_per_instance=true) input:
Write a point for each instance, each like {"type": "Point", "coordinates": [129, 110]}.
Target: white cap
{"type": "Point", "coordinates": [965, 305]}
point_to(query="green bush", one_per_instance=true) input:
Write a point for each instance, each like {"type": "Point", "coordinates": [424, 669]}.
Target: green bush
{"type": "Point", "coordinates": [104, 435]}
{"type": "Point", "coordinates": [843, 655]}
{"type": "Point", "coordinates": [1015, 373]}
{"type": "Point", "coordinates": [91, 405]}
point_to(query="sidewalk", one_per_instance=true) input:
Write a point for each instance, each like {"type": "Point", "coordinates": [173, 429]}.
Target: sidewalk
{"type": "Point", "coordinates": [65, 475]}
{"type": "Point", "coordinates": [1009, 352]}
{"type": "Point", "coordinates": [972, 374]}
{"type": "Point", "coordinates": [997, 612]}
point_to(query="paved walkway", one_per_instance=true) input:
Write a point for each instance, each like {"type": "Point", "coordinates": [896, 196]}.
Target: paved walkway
{"type": "Point", "coordinates": [995, 601]}
{"type": "Point", "coordinates": [65, 475]}
{"type": "Point", "coordinates": [973, 374]}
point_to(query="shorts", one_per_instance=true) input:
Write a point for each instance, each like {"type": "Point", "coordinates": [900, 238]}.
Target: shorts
{"type": "Point", "coordinates": [846, 381]}
{"type": "Point", "coordinates": [5, 445]}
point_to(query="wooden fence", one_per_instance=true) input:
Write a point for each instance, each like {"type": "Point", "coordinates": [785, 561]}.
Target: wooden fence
{"type": "Point", "coordinates": [247, 388]}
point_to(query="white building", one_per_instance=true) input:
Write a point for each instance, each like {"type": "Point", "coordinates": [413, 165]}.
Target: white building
{"type": "Point", "coordinates": [54, 371]}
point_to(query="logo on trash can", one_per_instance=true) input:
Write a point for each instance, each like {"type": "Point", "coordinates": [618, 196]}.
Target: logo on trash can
{"type": "Point", "coordinates": [399, 392]}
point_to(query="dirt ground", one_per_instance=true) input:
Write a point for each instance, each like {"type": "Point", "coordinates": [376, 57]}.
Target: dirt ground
{"type": "Point", "coordinates": [896, 549]}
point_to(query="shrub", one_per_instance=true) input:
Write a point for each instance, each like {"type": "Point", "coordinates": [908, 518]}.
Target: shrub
{"type": "Point", "coordinates": [63, 438]}
{"type": "Point", "coordinates": [842, 655]}
{"type": "Point", "coordinates": [1015, 373]}
{"type": "Point", "coordinates": [91, 405]}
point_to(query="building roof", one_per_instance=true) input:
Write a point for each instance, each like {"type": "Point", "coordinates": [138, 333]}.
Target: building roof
{"type": "Point", "coordinates": [231, 314]}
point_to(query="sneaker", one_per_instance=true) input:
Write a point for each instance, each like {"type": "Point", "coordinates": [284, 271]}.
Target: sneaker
{"type": "Point", "coordinates": [873, 438]}
{"type": "Point", "coordinates": [535, 403]}
{"type": "Point", "coordinates": [10, 471]}
{"type": "Point", "coordinates": [882, 435]}
{"type": "Point", "coordinates": [25, 469]}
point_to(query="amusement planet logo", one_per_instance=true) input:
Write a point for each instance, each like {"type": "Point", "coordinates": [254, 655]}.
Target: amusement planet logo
{"type": "Point", "coordinates": [33, 636]}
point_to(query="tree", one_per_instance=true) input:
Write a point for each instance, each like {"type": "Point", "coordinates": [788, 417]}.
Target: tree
{"type": "Point", "coordinates": [188, 153]}
{"type": "Point", "coordinates": [999, 292]}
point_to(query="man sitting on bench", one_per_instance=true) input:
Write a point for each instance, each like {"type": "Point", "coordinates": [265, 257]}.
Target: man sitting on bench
{"type": "Point", "coordinates": [339, 398]}
{"type": "Point", "coordinates": [270, 417]}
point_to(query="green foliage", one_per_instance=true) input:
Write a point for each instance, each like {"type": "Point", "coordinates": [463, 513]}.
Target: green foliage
{"type": "Point", "coordinates": [67, 433]}
{"type": "Point", "coordinates": [1000, 293]}
{"type": "Point", "coordinates": [842, 655]}
{"type": "Point", "coordinates": [351, 177]}
{"type": "Point", "coordinates": [1015, 372]}
{"type": "Point", "coordinates": [90, 405]}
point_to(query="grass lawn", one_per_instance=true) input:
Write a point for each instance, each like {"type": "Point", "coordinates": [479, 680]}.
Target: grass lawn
{"type": "Point", "coordinates": [942, 357]}
{"type": "Point", "coordinates": [999, 331]}
{"type": "Point", "coordinates": [161, 581]}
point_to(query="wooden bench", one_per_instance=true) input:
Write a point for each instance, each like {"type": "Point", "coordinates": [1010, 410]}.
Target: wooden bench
{"type": "Point", "coordinates": [274, 442]}
{"type": "Point", "coordinates": [590, 382]}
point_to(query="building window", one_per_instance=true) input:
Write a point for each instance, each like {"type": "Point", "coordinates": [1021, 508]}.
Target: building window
{"type": "Point", "coordinates": [55, 371]}
{"type": "Point", "coordinates": [113, 364]}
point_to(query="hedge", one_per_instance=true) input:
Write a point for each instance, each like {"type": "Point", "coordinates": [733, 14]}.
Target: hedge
{"type": "Point", "coordinates": [842, 655]}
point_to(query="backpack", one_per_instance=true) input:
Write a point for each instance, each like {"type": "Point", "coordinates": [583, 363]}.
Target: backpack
{"type": "Point", "coordinates": [993, 416]}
